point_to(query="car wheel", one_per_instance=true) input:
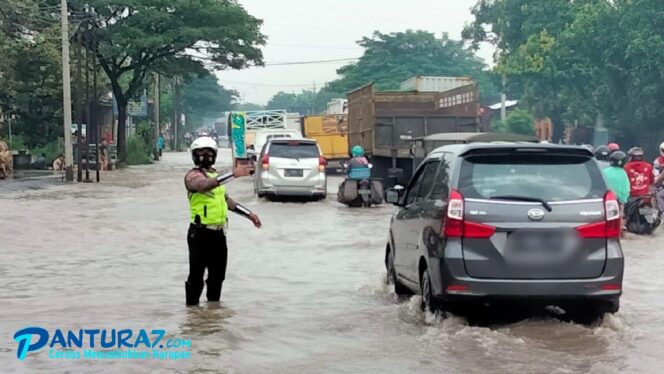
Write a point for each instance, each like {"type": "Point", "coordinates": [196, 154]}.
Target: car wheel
{"type": "Point", "coordinates": [429, 302]}
{"type": "Point", "coordinates": [392, 278]}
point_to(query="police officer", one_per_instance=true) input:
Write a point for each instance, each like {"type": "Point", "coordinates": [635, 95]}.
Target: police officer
{"type": "Point", "coordinates": [209, 205]}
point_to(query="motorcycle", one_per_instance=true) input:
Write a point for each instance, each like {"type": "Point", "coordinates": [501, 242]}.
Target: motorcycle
{"type": "Point", "coordinates": [361, 190]}
{"type": "Point", "coordinates": [642, 214]}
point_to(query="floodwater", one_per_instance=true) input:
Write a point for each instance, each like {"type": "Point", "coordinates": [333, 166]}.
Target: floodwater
{"type": "Point", "coordinates": [305, 293]}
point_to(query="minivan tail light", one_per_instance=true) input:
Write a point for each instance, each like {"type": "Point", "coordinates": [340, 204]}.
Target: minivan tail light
{"type": "Point", "coordinates": [612, 211]}
{"type": "Point", "coordinates": [610, 226]}
{"type": "Point", "coordinates": [322, 162]}
{"type": "Point", "coordinates": [454, 225]}
{"type": "Point", "coordinates": [477, 230]}
{"type": "Point", "coordinates": [453, 220]}
{"type": "Point", "coordinates": [266, 161]}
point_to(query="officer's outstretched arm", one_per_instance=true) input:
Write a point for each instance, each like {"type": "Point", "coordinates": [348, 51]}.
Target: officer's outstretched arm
{"type": "Point", "coordinates": [240, 209]}
{"type": "Point", "coordinates": [197, 181]}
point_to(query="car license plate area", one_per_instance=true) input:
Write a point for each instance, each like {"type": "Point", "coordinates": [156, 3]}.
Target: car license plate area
{"type": "Point", "coordinates": [293, 173]}
{"type": "Point", "coordinates": [539, 247]}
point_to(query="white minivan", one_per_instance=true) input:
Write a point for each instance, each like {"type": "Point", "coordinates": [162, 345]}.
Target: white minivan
{"type": "Point", "coordinates": [291, 167]}
{"type": "Point", "coordinates": [265, 135]}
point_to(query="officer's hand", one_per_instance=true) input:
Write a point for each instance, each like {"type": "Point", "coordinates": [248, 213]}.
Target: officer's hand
{"type": "Point", "coordinates": [242, 171]}
{"type": "Point", "coordinates": [257, 221]}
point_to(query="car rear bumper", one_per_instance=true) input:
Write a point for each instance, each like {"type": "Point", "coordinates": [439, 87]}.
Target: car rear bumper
{"type": "Point", "coordinates": [450, 281]}
{"type": "Point", "coordinates": [275, 188]}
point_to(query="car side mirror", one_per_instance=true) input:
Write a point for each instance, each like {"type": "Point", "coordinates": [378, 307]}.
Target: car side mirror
{"type": "Point", "coordinates": [393, 195]}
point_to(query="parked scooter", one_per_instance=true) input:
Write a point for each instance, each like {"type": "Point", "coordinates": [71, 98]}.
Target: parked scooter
{"type": "Point", "coordinates": [642, 215]}
{"type": "Point", "coordinates": [360, 190]}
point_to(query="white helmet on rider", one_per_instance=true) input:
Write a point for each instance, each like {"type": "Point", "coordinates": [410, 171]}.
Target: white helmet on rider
{"type": "Point", "coordinates": [661, 149]}
{"type": "Point", "coordinates": [201, 158]}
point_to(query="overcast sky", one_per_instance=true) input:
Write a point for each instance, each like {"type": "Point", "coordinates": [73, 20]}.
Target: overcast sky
{"type": "Point", "coordinates": [300, 30]}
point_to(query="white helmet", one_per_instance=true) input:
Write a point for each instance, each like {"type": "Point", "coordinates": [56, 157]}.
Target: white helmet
{"type": "Point", "coordinates": [204, 142]}
{"type": "Point", "coordinates": [661, 149]}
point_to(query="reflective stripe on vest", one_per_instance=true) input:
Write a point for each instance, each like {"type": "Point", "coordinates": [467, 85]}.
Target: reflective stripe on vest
{"type": "Point", "coordinates": [210, 206]}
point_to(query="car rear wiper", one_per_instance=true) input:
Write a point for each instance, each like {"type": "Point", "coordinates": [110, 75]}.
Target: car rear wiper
{"type": "Point", "coordinates": [523, 198]}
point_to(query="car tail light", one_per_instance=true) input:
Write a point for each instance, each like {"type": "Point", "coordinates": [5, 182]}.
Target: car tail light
{"type": "Point", "coordinates": [610, 227]}
{"type": "Point", "coordinates": [454, 225]}
{"type": "Point", "coordinates": [322, 162]}
{"type": "Point", "coordinates": [457, 288]}
{"type": "Point", "coordinates": [611, 287]}
{"type": "Point", "coordinates": [266, 161]}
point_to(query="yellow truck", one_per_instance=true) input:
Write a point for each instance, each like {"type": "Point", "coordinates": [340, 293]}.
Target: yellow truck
{"type": "Point", "coordinates": [331, 133]}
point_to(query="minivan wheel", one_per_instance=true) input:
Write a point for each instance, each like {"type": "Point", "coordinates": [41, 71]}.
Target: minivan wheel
{"type": "Point", "coordinates": [392, 278]}
{"type": "Point", "coordinates": [429, 302]}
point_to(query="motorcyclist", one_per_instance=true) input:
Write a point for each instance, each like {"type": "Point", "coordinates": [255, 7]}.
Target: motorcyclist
{"type": "Point", "coordinates": [209, 205]}
{"type": "Point", "coordinates": [616, 177]}
{"type": "Point", "coordinates": [658, 171]}
{"type": "Point", "coordinates": [640, 173]}
{"type": "Point", "coordinates": [613, 147]}
{"type": "Point", "coordinates": [602, 155]}
{"type": "Point", "coordinates": [358, 166]}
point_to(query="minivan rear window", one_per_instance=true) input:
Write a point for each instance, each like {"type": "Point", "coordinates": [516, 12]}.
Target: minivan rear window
{"type": "Point", "coordinates": [551, 177]}
{"type": "Point", "coordinates": [294, 149]}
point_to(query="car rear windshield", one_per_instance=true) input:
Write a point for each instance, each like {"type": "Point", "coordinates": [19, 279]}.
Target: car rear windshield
{"type": "Point", "coordinates": [294, 149]}
{"type": "Point", "coordinates": [551, 177]}
{"type": "Point", "coordinates": [276, 136]}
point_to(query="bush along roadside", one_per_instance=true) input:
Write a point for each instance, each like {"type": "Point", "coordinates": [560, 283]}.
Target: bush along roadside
{"type": "Point", "coordinates": [138, 153]}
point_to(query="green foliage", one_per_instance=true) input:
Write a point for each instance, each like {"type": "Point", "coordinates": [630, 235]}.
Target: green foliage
{"type": "Point", "coordinates": [249, 106]}
{"type": "Point", "coordinates": [577, 61]}
{"type": "Point", "coordinates": [138, 152]}
{"type": "Point", "coordinates": [203, 96]}
{"type": "Point", "coordinates": [146, 132]}
{"type": "Point", "coordinates": [517, 122]}
{"type": "Point", "coordinates": [52, 149]}
{"type": "Point", "coordinates": [389, 59]}
{"type": "Point", "coordinates": [136, 37]}
{"type": "Point", "coordinates": [303, 102]}
{"type": "Point", "coordinates": [18, 142]}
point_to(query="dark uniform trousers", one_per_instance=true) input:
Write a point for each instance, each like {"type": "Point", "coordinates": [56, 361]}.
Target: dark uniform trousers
{"type": "Point", "coordinates": [207, 249]}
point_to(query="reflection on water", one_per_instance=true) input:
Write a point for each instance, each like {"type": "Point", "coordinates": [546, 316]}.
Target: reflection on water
{"type": "Point", "coordinates": [208, 319]}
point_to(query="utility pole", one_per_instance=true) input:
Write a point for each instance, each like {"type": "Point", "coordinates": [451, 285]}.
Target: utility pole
{"type": "Point", "coordinates": [176, 111]}
{"type": "Point", "coordinates": [157, 92]}
{"type": "Point", "coordinates": [88, 105]}
{"type": "Point", "coordinates": [79, 106]}
{"type": "Point", "coordinates": [94, 97]}
{"type": "Point", "coordinates": [66, 92]}
{"type": "Point", "coordinates": [503, 99]}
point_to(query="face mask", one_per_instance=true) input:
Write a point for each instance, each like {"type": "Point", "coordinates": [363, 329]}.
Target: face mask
{"type": "Point", "coordinates": [206, 159]}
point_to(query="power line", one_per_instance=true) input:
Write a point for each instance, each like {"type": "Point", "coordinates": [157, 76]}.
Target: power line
{"type": "Point", "coordinates": [311, 46]}
{"type": "Point", "coordinates": [311, 62]}
{"type": "Point", "coordinates": [264, 84]}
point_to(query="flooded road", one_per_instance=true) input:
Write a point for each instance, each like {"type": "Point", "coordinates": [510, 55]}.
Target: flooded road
{"type": "Point", "coordinates": [303, 294]}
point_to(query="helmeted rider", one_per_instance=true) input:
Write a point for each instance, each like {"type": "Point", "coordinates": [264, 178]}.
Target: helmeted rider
{"type": "Point", "coordinates": [358, 166]}
{"type": "Point", "coordinates": [602, 155]}
{"type": "Point", "coordinates": [209, 205]}
{"type": "Point", "coordinates": [640, 173]}
{"type": "Point", "coordinates": [613, 147]}
{"type": "Point", "coordinates": [658, 171]}
{"type": "Point", "coordinates": [616, 177]}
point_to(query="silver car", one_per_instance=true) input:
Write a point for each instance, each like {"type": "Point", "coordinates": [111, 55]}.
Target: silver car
{"type": "Point", "coordinates": [291, 167]}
